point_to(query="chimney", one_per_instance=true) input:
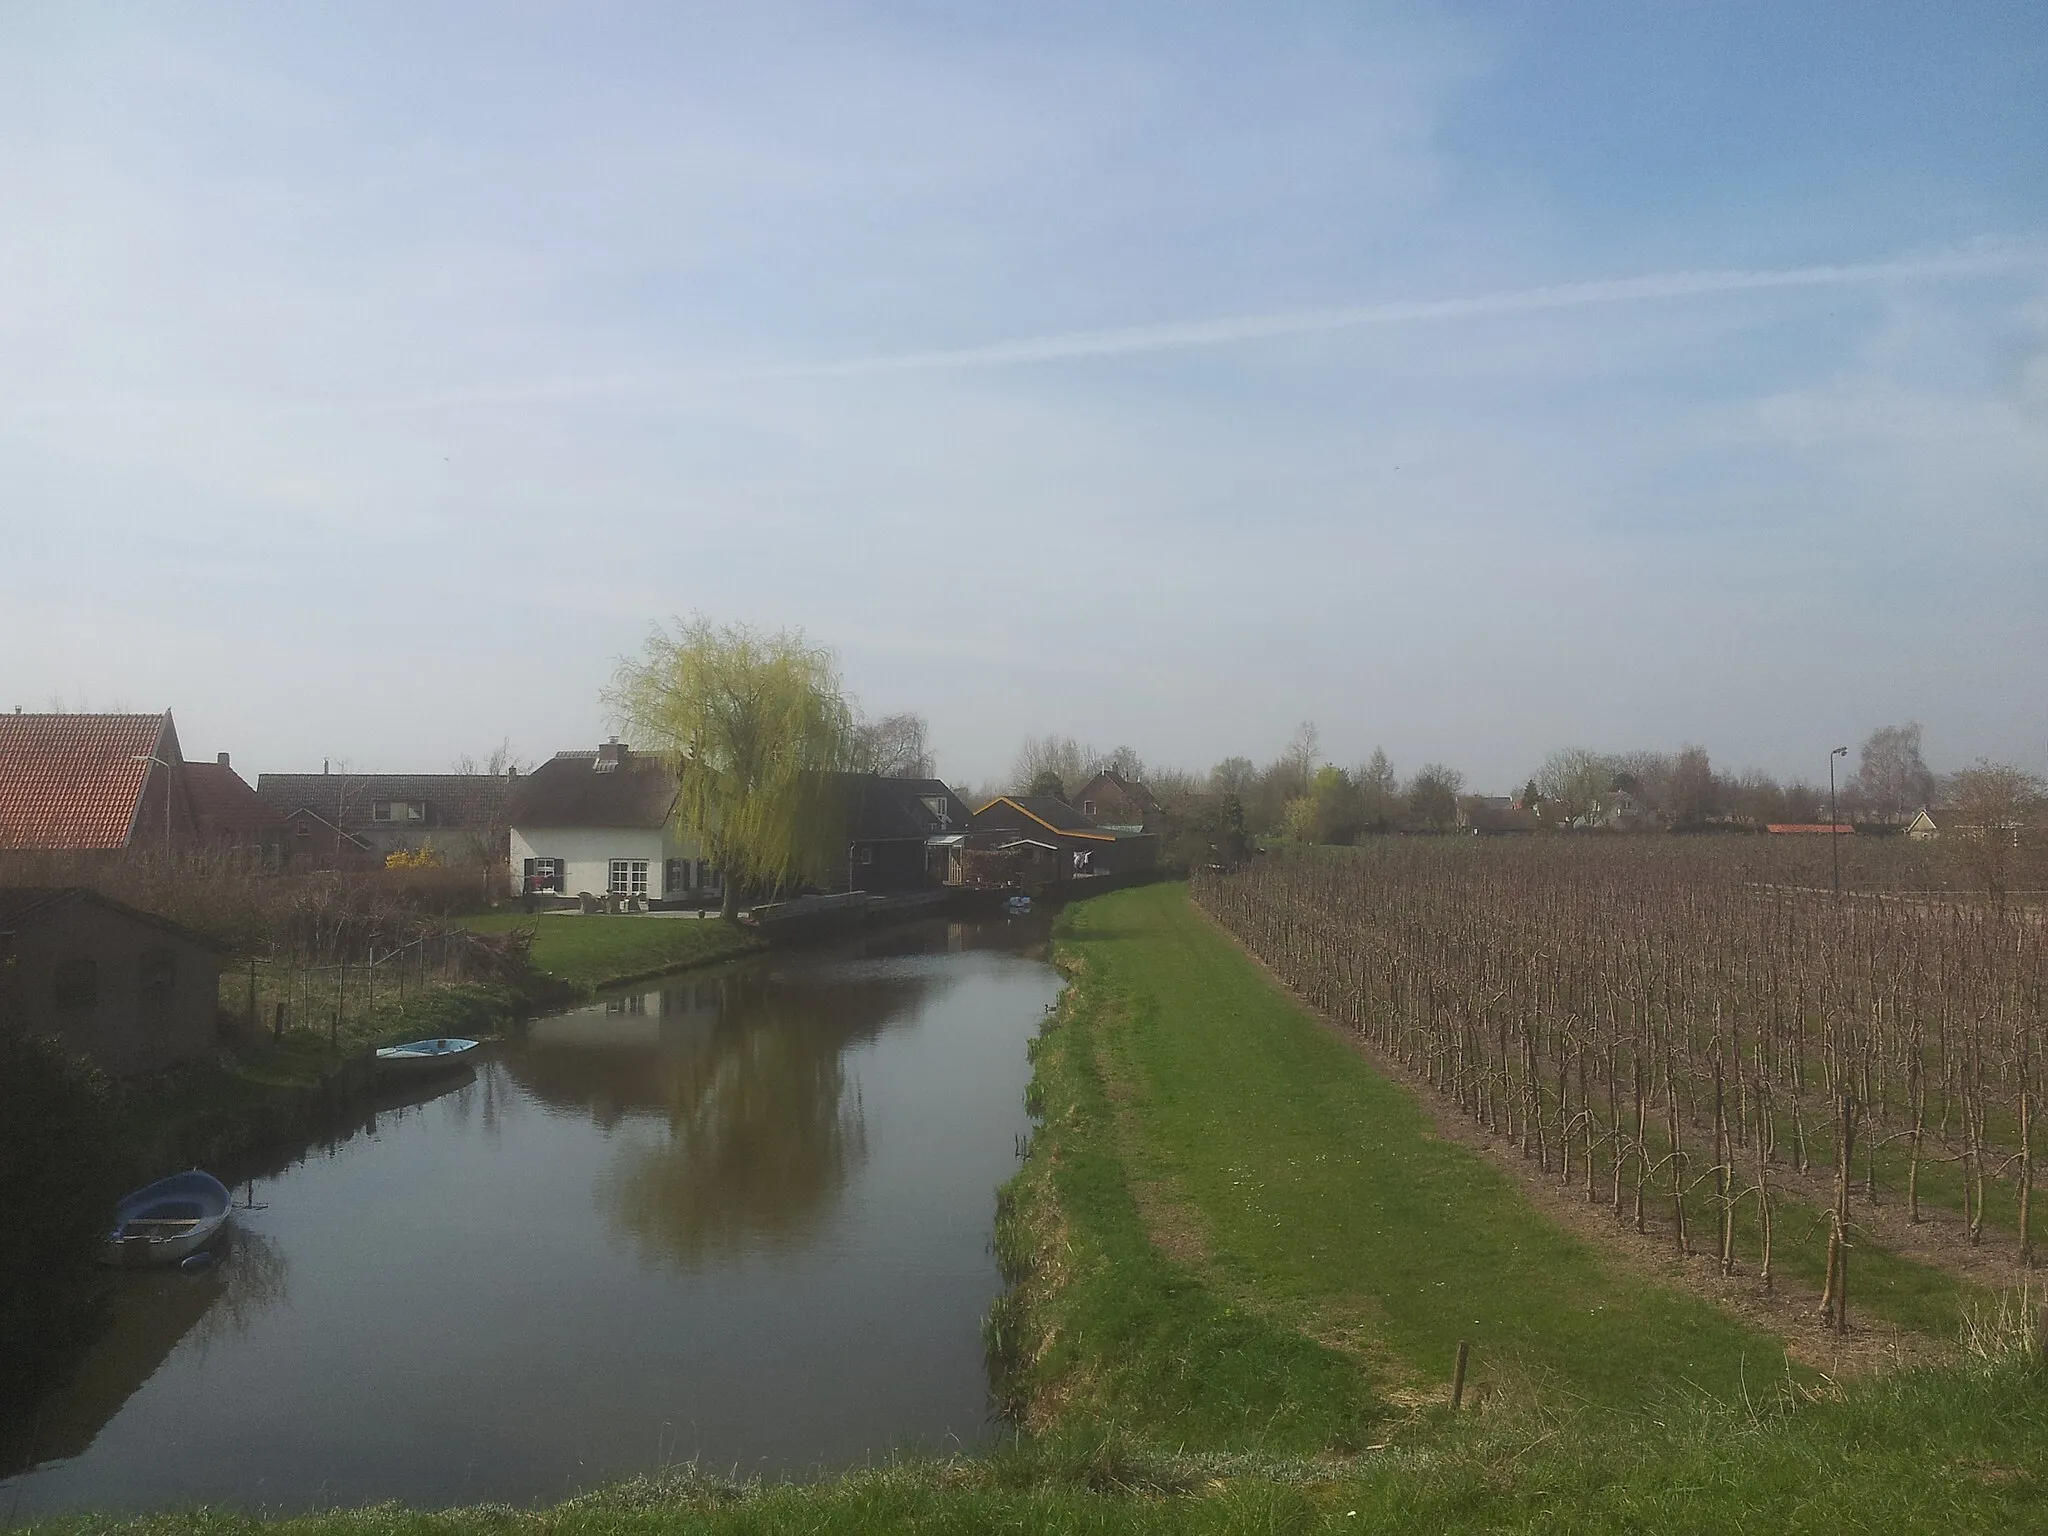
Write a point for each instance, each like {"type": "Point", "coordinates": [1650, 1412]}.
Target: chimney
{"type": "Point", "coordinates": [611, 754]}
{"type": "Point", "coordinates": [222, 759]}
{"type": "Point", "coordinates": [323, 765]}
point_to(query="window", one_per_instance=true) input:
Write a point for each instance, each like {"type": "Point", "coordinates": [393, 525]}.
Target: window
{"type": "Point", "coordinates": [629, 877]}
{"type": "Point", "coordinates": [1088, 809]}
{"type": "Point", "coordinates": [867, 853]}
{"type": "Point", "coordinates": [304, 829]}
{"type": "Point", "coordinates": [675, 876]}
{"type": "Point", "coordinates": [936, 804]}
{"type": "Point", "coordinates": [544, 874]}
{"type": "Point", "coordinates": [76, 986]}
{"type": "Point", "coordinates": [704, 877]}
{"type": "Point", "coordinates": [157, 981]}
{"type": "Point", "coordinates": [399, 810]}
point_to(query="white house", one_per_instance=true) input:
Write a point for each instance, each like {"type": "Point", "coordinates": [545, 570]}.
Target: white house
{"type": "Point", "coordinates": [599, 823]}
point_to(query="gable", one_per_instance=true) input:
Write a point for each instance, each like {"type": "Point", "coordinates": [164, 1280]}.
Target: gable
{"type": "Point", "coordinates": [78, 781]}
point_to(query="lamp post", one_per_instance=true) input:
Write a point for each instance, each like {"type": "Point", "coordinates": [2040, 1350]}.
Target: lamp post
{"type": "Point", "coordinates": [1835, 822]}
{"type": "Point", "coordinates": [151, 757]}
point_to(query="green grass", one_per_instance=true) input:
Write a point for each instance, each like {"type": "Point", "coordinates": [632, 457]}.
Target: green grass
{"type": "Point", "coordinates": [590, 952]}
{"type": "Point", "coordinates": [1319, 1188]}
{"type": "Point", "coordinates": [1956, 1451]}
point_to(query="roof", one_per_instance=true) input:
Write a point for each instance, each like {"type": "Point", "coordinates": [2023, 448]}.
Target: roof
{"type": "Point", "coordinates": [882, 807]}
{"type": "Point", "coordinates": [1137, 793]}
{"type": "Point", "coordinates": [1810, 826]}
{"type": "Point", "coordinates": [349, 800]}
{"type": "Point", "coordinates": [1053, 815]}
{"type": "Point", "coordinates": [29, 906]}
{"type": "Point", "coordinates": [568, 790]}
{"type": "Point", "coordinates": [77, 781]}
{"type": "Point", "coordinates": [222, 801]}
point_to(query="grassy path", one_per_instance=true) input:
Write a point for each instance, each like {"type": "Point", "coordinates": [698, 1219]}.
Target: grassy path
{"type": "Point", "coordinates": [1316, 1185]}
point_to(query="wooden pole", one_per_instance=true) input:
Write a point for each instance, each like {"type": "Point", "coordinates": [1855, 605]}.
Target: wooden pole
{"type": "Point", "coordinates": [1465, 1357]}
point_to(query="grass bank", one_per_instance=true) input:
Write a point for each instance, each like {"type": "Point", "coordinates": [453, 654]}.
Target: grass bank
{"type": "Point", "coordinates": [614, 950]}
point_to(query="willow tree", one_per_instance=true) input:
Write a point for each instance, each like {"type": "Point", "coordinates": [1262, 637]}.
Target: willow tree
{"type": "Point", "coordinates": [753, 724]}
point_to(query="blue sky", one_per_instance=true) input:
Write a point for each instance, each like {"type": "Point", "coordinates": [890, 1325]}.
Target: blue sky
{"type": "Point", "coordinates": [1473, 380]}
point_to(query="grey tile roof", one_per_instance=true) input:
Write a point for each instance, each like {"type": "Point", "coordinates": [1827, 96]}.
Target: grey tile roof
{"type": "Point", "coordinates": [348, 800]}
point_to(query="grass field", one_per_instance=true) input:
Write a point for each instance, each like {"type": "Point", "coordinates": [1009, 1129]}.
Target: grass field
{"type": "Point", "coordinates": [612, 950]}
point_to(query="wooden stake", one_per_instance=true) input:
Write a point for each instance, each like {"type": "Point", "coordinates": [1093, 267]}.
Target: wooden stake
{"type": "Point", "coordinates": [1465, 1356]}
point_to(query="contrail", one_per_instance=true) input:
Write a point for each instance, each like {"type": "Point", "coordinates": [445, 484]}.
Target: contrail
{"type": "Point", "coordinates": [1586, 295]}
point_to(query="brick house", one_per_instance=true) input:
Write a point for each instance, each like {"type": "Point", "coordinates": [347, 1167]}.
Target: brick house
{"type": "Point", "coordinates": [93, 784]}
{"type": "Point", "coordinates": [349, 820]}
{"type": "Point", "coordinates": [1111, 800]}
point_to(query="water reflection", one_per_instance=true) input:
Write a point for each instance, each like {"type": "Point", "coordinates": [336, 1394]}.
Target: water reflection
{"type": "Point", "coordinates": [743, 1218]}
{"type": "Point", "coordinates": [148, 1315]}
{"type": "Point", "coordinates": [756, 1124]}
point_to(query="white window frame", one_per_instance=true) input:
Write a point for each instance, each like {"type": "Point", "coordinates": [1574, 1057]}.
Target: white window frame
{"type": "Point", "coordinates": [627, 877]}
{"type": "Point", "coordinates": [398, 810]}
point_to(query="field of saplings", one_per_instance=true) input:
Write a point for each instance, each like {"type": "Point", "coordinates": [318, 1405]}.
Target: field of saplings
{"type": "Point", "coordinates": [1697, 1033]}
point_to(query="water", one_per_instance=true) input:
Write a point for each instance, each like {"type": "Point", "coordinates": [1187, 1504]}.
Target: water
{"type": "Point", "coordinates": [742, 1218]}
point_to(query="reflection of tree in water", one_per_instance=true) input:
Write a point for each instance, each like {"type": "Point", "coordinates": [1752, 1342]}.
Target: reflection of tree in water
{"type": "Point", "coordinates": [748, 1071]}
{"type": "Point", "coordinates": [255, 1276]}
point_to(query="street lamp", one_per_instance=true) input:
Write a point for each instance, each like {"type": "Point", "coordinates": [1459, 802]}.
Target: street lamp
{"type": "Point", "coordinates": [151, 757]}
{"type": "Point", "coordinates": [1835, 822]}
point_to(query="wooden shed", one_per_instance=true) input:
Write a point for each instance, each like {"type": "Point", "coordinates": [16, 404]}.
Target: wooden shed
{"type": "Point", "coordinates": [130, 992]}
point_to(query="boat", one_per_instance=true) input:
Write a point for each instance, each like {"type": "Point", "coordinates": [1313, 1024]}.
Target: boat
{"type": "Point", "coordinates": [168, 1221]}
{"type": "Point", "coordinates": [1017, 904]}
{"type": "Point", "coordinates": [418, 1058]}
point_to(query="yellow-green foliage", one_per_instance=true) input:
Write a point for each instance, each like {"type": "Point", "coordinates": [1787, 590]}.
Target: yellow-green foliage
{"type": "Point", "coordinates": [753, 722]}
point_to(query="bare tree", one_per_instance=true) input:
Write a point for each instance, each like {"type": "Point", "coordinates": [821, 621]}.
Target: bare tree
{"type": "Point", "coordinates": [893, 745]}
{"type": "Point", "coordinates": [1993, 803]}
{"type": "Point", "coordinates": [1233, 776]}
{"type": "Point", "coordinates": [1061, 756]}
{"type": "Point", "coordinates": [1578, 779]}
{"type": "Point", "coordinates": [1891, 778]}
{"type": "Point", "coordinates": [1379, 792]}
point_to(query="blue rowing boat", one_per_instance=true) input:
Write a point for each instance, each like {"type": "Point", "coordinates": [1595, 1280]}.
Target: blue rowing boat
{"type": "Point", "coordinates": [417, 1058]}
{"type": "Point", "coordinates": [168, 1221]}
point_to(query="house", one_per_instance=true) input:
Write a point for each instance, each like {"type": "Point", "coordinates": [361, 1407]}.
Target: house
{"type": "Point", "coordinates": [1115, 803]}
{"type": "Point", "coordinates": [229, 816]}
{"type": "Point", "coordinates": [92, 783]}
{"type": "Point", "coordinates": [601, 823]}
{"type": "Point", "coordinates": [344, 820]}
{"type": "Point", "coordinates": [131, 992]}
{"type": "Point", "coordinates": [1046, 823]}
{"type": "Point", "coordinates": [899, 831]}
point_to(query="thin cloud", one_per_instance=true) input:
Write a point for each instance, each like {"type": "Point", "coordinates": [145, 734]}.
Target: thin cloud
{"type": "Point", "coordinates": [1628, 290]}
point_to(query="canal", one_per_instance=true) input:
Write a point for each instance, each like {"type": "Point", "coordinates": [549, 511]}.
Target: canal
{"type": "Point", "coordinates": [741, 1218]}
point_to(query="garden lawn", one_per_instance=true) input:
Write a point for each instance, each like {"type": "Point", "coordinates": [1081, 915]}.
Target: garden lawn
{"type": "Point", "coordinates": [604, 950]}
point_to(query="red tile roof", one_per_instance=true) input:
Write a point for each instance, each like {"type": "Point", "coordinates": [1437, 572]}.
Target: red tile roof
{"type": "Point", "coordinates": [226, 807]}
{"type": "Point", "coordinates": [74, 781]}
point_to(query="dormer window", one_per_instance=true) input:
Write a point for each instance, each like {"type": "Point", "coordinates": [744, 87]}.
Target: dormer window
{"type": "Point", "coordinates": [936, 804]}
{"type": "Point", "coordinates": [399, 810]}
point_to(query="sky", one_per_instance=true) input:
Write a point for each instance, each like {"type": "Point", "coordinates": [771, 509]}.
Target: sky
{"type": "Point", "coordinates": [1472, 380]}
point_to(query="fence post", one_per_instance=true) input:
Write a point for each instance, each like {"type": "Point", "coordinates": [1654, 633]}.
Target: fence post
{"type": "Point", "coordinates": [1458, 1375]}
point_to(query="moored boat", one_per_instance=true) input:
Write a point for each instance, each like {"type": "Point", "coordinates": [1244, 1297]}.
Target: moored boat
{"type": "Point", "coordinates": [1017, 904]}
{"type": "Point", "coordinates": [168, 1221]}
{"type": "Point", "coordinates": [416, 1058]}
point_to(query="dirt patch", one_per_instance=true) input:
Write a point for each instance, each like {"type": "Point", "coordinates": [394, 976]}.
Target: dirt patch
{"type": "Point", "coordinates": [1790, 1311]}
